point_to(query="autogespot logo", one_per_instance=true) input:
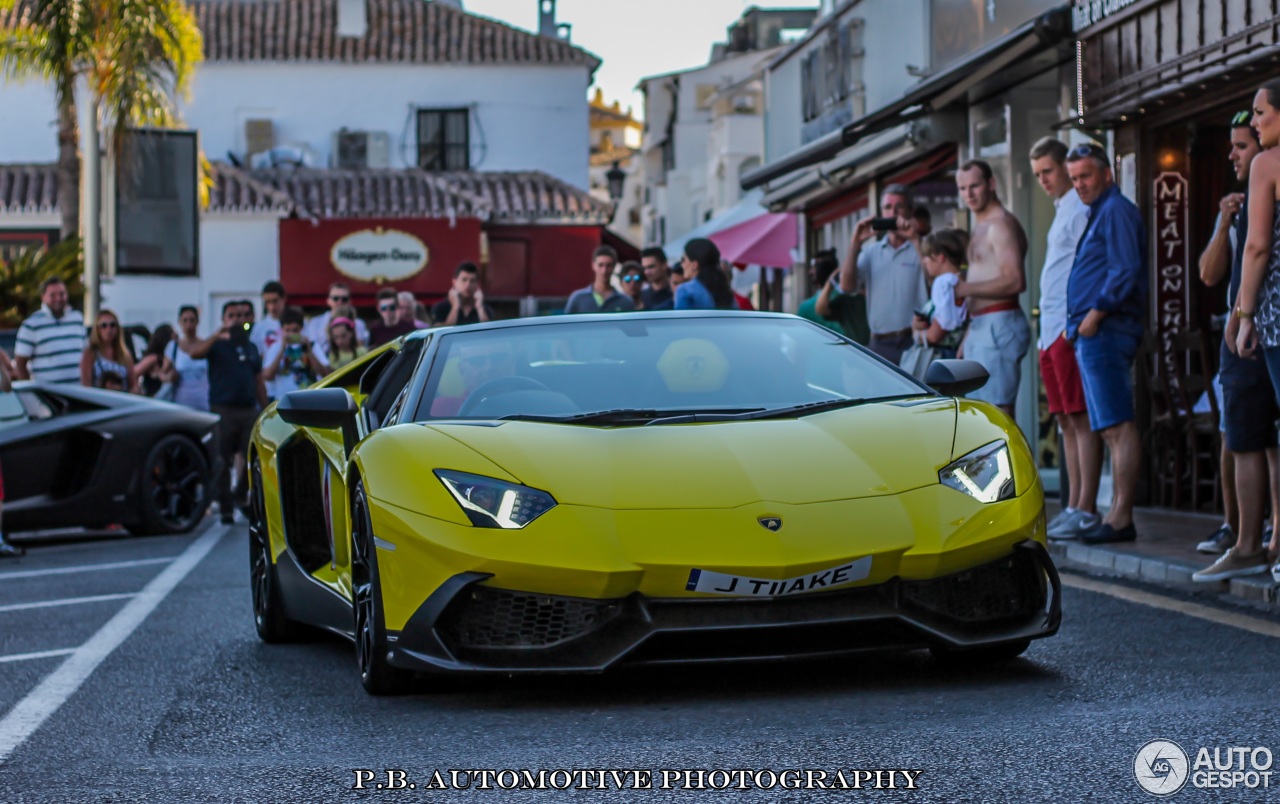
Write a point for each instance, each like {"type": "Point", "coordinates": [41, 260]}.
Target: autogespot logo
{"type": "Point", "coordinates": [1161, 767]}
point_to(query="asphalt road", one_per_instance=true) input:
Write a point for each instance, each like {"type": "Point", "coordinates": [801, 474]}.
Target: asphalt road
{"type": "Point", "coordinates": [190, 706]}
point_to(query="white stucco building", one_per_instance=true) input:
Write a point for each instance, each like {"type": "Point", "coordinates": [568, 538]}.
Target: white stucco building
{"type": "Point", "coordinates": [705, 126]}
{"type": "Point", "coordinates": [364, 98]}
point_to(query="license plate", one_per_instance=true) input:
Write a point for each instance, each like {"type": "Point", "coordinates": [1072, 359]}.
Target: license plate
{"type": "Point", "coordinates": [719, 583]}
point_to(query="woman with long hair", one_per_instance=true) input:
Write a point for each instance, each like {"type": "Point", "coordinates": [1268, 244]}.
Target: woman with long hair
{"type": "Point", "coordinates": [343, 346]}
{"type": "Point", "coordinates": [192, 380]}
{"type": "Point", "coordinates": [106, 353]}
{"type": "Point", "coordinates": [709, 288]}
{"type": "Point", "coordinates": [1255, 320]}
{"type": "Point", "coordinates": [155, 369]}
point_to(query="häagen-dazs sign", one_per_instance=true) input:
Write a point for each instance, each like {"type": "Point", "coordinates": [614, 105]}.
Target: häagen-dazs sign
{"type": "Point", "coordinates": [379, 255]}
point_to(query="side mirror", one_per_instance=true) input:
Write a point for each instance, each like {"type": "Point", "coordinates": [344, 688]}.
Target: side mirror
{"type": "Point", "coordinates": [324, 409]}
{"type": "Point", "coordinates": [956, 377]}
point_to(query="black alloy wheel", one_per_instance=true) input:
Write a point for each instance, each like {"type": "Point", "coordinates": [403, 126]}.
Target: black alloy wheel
{"type": "Point", "coordinates": [376, 675]}
{"type": "Point", "coordinates": [268, 611]}
{"type": "Point", "coordinates": [173, 488]}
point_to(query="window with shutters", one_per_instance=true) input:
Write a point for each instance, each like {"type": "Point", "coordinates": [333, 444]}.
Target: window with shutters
{"type": "Point", "coordinates": [444, 139]}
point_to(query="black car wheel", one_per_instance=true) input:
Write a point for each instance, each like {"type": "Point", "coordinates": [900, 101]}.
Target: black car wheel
{"type": "Point", "coordinates": [376, 675]}
{"type": "Point", "coordinates": [268, 611]}
{"type": "Point", "coordinates": [981, 657]}
{"type": "Point", "coordinates": [173, 488]}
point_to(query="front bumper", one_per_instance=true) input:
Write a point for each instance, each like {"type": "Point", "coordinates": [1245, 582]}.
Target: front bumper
{"type": "Point", "coordinates": [470, 627]}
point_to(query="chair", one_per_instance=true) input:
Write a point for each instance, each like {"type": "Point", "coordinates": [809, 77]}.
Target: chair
{"type": "Point", "coordinates": [1189, 376]}
{"type": "Point", "coordinates": [1165, 445]}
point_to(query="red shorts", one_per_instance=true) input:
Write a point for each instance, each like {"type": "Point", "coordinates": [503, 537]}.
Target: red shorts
{"type": "Point", "coordinates": [1061, 377]}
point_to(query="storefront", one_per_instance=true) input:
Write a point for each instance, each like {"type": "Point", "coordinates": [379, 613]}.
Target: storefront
{"type": "Point", "coordinates": [531, 235]}
{"type": "Point", "coordinates": [1159, 85]}
{"type": "Point", "coordinates": [995, 90]}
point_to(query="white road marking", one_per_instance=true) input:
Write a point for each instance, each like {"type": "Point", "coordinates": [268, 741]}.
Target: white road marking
{"type": "Point", "coordinates": [4, 576]}
{"type": "Point", "coordinates": [66, 601]}
{"type": "Point", "coordinates": [33, 710]}
{"type": "Point", "coordinates": [44, 654]}
{"type": "Point", "coordinates": [1202, 612]}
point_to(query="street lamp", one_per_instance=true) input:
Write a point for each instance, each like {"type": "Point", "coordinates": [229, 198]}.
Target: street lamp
{"type": "Point", "coordinates": [616, 177]}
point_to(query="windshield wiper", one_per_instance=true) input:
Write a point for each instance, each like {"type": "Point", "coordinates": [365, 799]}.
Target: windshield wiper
{"type": "Point", "coordinates": [628, 416]}
{"type": "Point", "coordinates": [781, 413]}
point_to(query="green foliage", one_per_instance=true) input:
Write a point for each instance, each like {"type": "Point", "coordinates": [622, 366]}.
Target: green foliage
{"type": "Point", "coordinates": [20, 279]}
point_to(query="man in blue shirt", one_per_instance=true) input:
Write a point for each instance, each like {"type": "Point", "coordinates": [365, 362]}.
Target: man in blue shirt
{"type": "Point", "coordinates": [1106, 302]}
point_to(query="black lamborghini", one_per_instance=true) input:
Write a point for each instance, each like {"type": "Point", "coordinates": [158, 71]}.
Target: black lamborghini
{"type": "Point", "coordinates": [75, 456]}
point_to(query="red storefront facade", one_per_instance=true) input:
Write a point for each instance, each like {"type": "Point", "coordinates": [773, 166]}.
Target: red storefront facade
{"type": "Point", "coordinates": [532, 235]}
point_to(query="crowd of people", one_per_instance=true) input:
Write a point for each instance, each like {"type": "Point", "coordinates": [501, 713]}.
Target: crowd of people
{"type": "Point", "coordinates": [910, 294]}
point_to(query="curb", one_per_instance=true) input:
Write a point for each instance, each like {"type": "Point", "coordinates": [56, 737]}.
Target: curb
{"type": "Point", "coordinates": [1258, 591]}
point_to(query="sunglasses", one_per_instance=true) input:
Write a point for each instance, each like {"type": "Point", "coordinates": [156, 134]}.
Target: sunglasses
{"type": "Point", "coordinates": [632, 277]}
{"type": "Point", "coordinates": [480, 361]}
{"type": "Point", "coordinates": [387, 306]}
{"type": "Point", "coordinates": [340, 298]}
{"type": "Point", "coordinates": [1241, 119]}
{"type": "Point", "coordinates": [108, 325]}
{"type": "Point", "coordinates": [1087, 150]}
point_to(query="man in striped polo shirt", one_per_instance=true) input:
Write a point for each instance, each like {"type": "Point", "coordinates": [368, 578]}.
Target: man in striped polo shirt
{"type": "Point", "coordinates": [51, 340]}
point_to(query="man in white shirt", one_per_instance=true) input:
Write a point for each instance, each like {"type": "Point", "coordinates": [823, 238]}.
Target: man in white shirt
{"type": "Point", "coordinates": [266, 332]}
{"type": "Point", "coordinates": [1058, 368]}
{"type": "Point", "coordinates": [317, 329]}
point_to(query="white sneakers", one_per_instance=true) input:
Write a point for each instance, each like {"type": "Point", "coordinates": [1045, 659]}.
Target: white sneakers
{"type": "Point", "coordinates": [1070, 524]}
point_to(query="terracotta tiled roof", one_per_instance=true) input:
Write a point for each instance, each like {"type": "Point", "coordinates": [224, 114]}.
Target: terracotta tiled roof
{"type": "Point", "coordinates": [501, 197]}
{"type": "Point", "coordinates": [33, 189]}
{"type": "Point", "coordinates": [234, 190]}
{"type": "Point", "coordinates": [529, 196]}
{"type": "Point", "coordinates": [368, 193]}
{"type": "Point", "coordinates": [498, 196]}
{"type": "Point", "coordinates": [28, 189]}
{"type": "Point", "coordinates": [410, 31]}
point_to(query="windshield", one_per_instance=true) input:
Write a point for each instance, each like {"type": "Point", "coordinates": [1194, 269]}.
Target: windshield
{"type": "Point", "coordinates": [651, 368]}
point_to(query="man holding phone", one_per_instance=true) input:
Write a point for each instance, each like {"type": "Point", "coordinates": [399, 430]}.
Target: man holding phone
{"type": "Point", "coordinates": [889, 272]}
{"type": "Point", "coordinates": [236, 394]}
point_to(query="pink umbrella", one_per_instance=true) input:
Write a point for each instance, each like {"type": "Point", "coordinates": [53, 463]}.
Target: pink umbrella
{"type": "Point", "coordinates": [766, 240]}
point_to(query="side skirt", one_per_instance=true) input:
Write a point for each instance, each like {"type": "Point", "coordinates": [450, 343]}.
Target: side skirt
{"type": "Point", "coordinates": [306, 600]}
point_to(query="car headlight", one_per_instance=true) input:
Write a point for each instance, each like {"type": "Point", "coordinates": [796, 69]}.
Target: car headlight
{"type": "Point", "coordinates": [490, 503]}
{"type": "Point", "coordinates": [986, 474]}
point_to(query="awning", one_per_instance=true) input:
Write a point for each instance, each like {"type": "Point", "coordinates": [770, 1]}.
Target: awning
{"type": "Point", "coordinates": [746, 209]}
{"type": "Point", "coordinates": [766, 240]}
{"type": "Point", "coordinates": [934, 93]}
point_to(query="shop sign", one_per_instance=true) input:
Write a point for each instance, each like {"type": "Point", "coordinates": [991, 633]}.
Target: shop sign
{"type": "Point", "coordinates": [1173, 296]}
{"type": "Point", "coordinates": [379, 255]}
{"type": "Point", "coordinates": [1086, 13]}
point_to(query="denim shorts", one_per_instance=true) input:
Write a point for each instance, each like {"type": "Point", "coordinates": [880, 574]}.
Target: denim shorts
{"type": "Point", "coordinates": [1106, 370]}
{"type": "Point", "coordinates": [1248, 404]}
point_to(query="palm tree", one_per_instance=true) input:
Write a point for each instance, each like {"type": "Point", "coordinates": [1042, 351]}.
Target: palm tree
{"type": "Point", "coordinates": [20, 278]}
{"type": "Point", "coordinates": [137, 55]}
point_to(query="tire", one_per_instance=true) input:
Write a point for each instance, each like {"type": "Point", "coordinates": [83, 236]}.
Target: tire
{"type": "Point", "coordinates": [376, 675]}
{"type": "Point", "coordinates": [173, 488]}
{"type": "Point", "coordinates": [268, 610]}
{"type": "Point", "coordinates": [986, 656]}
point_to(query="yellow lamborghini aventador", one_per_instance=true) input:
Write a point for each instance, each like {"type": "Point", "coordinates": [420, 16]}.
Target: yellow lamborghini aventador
{"type": "Point", "coordinates": [576, 493]}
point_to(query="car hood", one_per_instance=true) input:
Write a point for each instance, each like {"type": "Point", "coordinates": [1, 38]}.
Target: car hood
{"type": "Point", "coordinates": [868, 451]}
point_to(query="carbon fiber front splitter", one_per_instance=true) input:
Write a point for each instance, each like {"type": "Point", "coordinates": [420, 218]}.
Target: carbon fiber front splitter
{"type": "Point", "coordinates": [470, 626]}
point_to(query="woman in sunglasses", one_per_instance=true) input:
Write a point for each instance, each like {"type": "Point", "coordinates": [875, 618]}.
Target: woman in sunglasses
{"type": "Point", "coordinates": [630, 278]}
{"type": "Point", "coordinates": [106, 354]}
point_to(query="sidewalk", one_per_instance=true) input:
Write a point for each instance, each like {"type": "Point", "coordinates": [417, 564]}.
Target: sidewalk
{"type": "Point", "coordinates": [1164, 554]}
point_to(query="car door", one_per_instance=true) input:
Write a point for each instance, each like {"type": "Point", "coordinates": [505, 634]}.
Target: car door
{"type": "Point", "coordinates": [33, 446]}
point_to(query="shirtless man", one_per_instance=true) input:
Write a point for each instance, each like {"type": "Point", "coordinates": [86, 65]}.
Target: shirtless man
{"type": "Point", "coordinates": [998, 332]}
